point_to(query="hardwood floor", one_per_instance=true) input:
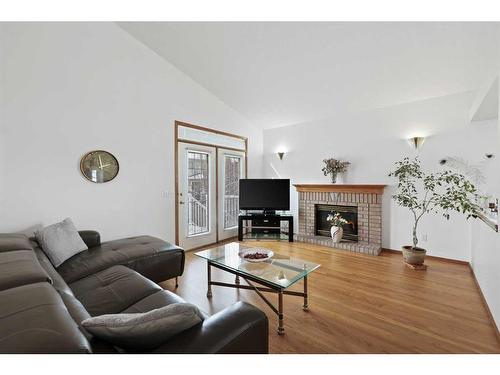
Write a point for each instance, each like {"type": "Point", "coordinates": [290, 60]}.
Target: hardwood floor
{"type": "Point", "coordinates": [362, 304]}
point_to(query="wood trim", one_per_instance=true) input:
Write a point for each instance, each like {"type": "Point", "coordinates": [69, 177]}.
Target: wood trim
{"type": "Point", "coordinates": [492, 319]}
{"type": "Point", "coordinates": [216, 194]}
{"type": "Point", "coordinates": [188, 125]}
{"type": "Point", "coordinates": [176, 182]}
{"type": "Point", "coordinates": [344, 188]}
{"type": "Point", "coordinates": [448, 260]}
{"type": "Point", "coordinates": [176, 168]}
{"type": "Point", "coordinates": [246, 157]}
{"type": "Point", "coordinates": [209, 145]}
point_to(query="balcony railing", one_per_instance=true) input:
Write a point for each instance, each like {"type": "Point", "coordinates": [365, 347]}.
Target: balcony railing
{"type": "Point", "coordinates": [197, 215]}
{"type": "Point", "coordinates": [231, 211]}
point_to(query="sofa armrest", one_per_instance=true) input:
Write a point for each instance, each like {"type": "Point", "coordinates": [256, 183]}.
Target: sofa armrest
{"type": "Point", "coordinates": [240, 328]}
{"type": "Point", "coordinates": [91, 238]}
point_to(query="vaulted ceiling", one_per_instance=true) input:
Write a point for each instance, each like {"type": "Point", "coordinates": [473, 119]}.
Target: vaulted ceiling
{"type": "Point", "coordinates": [280, 74]}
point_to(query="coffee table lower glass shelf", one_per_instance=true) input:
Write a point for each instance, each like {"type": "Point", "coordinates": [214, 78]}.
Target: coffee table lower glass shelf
{"type": "Point", "coordinates": [274, 275]}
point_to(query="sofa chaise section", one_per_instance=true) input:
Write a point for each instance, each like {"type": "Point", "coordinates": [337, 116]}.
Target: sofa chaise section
{"type": "Point", "coordinates": [152, 257]}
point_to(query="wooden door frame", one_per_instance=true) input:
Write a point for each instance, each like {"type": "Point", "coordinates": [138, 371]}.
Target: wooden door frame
{"type": "Point", "coordinates": [178, 124]}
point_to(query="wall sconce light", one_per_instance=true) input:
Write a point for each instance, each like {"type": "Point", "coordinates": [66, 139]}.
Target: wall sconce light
{"type": "Point", "coordinates": [281, 154]}
{"type": "Point", "coordinates": [416, 142]}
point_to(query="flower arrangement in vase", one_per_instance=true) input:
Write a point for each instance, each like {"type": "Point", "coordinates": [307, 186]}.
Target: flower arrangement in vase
{"type": "Point", "coordinates": [333, 167]}
{"type": "Point", "coordinates": [337, 221]}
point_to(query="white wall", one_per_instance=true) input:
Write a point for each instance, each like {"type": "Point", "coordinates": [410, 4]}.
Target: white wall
{"type": "Point", "coordinates": [373, 141]}
{"type": "Point", "coordinates": [485, 244]}
{"type": "Point", "coordinates": [69, 88]}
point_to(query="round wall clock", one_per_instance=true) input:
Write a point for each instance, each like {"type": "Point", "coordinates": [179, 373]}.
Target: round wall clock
{"type": "Point", "coordinates": [99, 166]}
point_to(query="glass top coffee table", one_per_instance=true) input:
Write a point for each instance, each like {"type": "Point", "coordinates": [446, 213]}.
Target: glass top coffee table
{"type": "Point", "coordinates": [274, 275]}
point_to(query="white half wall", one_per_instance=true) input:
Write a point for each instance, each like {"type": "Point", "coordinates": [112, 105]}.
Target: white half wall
{"type": "Point", "coordinates": [372, 141]}
{"type": "Point", "coordinates": [485, 244]}
{"type": "Point", "coordinates": [69, 88]}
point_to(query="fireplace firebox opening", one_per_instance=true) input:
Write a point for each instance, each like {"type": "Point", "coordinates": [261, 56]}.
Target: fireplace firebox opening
{"type": "Point", "coordinates": [350, 213]}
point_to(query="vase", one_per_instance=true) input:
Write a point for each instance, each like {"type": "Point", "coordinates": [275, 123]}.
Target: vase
{"type": "Point", "coordinates": [337, 233]}
{"type": "Point", "coordinates": [334, 177]}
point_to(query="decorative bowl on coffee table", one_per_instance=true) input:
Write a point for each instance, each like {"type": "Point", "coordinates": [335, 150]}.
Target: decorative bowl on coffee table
{"type": "Point", "coordinates": [256, 254]}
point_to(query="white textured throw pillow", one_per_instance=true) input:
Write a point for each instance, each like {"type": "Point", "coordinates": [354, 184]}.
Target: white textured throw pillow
{"type": "Point", "coordinates": [144, 330]}
{"type": "Point", "coordinates": [60, 241]}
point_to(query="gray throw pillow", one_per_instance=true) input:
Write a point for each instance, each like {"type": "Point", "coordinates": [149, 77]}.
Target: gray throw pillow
{"type": "Point", "coordinates": [144, 330]}
{"type": "Point", "coordinates": [60, 241]}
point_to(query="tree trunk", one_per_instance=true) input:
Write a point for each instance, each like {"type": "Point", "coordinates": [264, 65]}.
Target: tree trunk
{"type": "Point", "coordinates": [415, 239]}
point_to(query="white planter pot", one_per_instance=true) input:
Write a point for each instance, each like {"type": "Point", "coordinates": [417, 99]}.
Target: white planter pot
{"type": "Point", "coordinates": [337, 233]}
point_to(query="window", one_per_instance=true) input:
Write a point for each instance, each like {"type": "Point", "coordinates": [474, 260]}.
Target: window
{"type": "Point", "coordinates": [232, 174]}
{"type": "Point", "coordinates": [198, 188]}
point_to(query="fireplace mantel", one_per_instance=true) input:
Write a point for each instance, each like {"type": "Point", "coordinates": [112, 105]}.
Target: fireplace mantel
{"type": "Point", "coordinates": [341, 188]}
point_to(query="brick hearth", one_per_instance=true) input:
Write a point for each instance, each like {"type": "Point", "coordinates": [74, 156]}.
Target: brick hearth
{"type": "Point", "coordinates": [367, 199]}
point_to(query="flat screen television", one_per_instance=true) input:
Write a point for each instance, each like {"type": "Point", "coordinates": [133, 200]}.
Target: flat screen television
{"type": "Point", "coordinates": [264, 194]}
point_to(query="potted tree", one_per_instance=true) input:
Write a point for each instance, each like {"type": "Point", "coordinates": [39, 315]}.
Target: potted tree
{"type": "Point", "coordinates": [422, 193]}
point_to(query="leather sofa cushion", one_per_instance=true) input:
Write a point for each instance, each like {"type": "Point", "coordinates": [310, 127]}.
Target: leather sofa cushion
{"type": "Point", "coordinates": [33, 319]}
{"type": "Point", "coordinates": [20, 268]}
{"type": "Point", "coordinates": [150, 256]}
{"type": "Point", "coordinates": [14, 241]}
{"type": "Point", "coordinates": [113, 290]}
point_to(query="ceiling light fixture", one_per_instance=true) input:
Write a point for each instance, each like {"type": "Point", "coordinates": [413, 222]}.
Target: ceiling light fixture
{"type": "Point", "coordinates": [416, 142]}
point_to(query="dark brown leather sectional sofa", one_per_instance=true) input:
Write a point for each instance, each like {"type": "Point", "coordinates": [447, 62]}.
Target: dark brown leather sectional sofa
{"type": "Point", "coordinates": [41, 307]}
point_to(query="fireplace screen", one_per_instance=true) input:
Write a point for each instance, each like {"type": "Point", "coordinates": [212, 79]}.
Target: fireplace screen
{"type": "Point", "coordinates": [350, 213]}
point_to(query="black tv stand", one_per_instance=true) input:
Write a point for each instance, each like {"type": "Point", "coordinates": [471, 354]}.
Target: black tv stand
{"type": "Point", "coordinates": [261, 214]}
{"type": "Point", "coordinates": [264, 226]}
{"type": "Point", "coordinates": [269, 212]}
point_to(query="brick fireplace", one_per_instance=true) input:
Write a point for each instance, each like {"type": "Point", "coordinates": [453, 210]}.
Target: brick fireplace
{"type": "Point", "coordinates": [360, 204]}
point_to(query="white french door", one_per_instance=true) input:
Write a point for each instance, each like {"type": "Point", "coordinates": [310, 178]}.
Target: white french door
{"type": "Point", "coordinates": [209, 166]}
{"type": "Point", "coordinates": [197, 195]}
{"type": "Point", "coordinates": [231, 167]}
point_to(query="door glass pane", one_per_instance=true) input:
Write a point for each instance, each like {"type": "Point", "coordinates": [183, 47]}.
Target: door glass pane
{"type": "Point", "coordinates": [198, 189]}
{"type": "Point", "coordinates": [232, 174]}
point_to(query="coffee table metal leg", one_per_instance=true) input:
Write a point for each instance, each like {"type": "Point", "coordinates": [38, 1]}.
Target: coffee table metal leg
{"type": "Point", "coordinates": [305, 307]}
{"type": "Point", "coordinates": [281, 329]}
{"type": "Point", "coordinates": [237, 280]}
{"type": "Point", "coordinates": [209, 283]}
